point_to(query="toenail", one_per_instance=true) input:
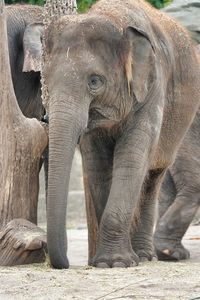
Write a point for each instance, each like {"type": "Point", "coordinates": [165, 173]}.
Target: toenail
{"type": "Point", "coordinates": [119, 264]}
{"type": "Point", "coordinates": [102, 265]}
{"type": "Point", "coordinates": [166, 251]}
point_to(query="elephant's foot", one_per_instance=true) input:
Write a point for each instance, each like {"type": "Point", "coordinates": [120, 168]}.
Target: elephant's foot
{"type": "Point", "coordinates": [173, 250]}
{"type": "Point", "coordinates": [124, 259]}
{"type": "Point", "coordinates": [143, 247]}
{"type": "Point", "coordinates": [145, 255]}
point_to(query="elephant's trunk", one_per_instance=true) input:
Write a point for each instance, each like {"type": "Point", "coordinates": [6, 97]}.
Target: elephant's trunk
{"type": "Point", "coordinates": [66, 121]}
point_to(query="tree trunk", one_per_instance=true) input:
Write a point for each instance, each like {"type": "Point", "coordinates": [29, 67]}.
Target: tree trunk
{"type": "Point", "coordinates": [22, 142]}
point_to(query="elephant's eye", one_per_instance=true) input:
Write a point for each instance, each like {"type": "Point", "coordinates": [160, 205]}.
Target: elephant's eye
{"type": "Point", "coordinates": [95, 82]}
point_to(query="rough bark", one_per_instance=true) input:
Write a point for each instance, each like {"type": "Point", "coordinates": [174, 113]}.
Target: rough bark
{"type": "Point", "coordinates": [22, 142]}
{"type": "Point", "coordinates": [22, 242]}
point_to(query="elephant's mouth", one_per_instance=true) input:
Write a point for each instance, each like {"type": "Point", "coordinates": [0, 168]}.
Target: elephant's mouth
{"type": "Point", "coordinates": [98, 119]}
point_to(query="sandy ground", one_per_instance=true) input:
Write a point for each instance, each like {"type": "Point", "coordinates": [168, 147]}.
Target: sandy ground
{"type": "Point", "coordinates": [150, 280]}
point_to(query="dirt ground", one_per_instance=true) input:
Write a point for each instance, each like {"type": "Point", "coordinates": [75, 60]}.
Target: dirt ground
{"type": "Point", "coordinates": [150, 280]}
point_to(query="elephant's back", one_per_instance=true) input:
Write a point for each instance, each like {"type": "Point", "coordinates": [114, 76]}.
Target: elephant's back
{"type": "Point", "coordinates": [142, 15]}
{"type": "Point", "coordinates": [24, 13]}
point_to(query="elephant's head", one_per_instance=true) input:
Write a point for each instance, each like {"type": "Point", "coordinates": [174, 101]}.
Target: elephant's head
{"type": "Point", "coordinates": [25, 51]}
{"type": "Point", "coordinates": [32, 46]}
{"type": "Point", "coordinates": [96, 73]}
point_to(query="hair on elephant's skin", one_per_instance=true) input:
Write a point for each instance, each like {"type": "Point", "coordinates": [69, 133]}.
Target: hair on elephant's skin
{"type": "Point", "coordinates": [123, 81]}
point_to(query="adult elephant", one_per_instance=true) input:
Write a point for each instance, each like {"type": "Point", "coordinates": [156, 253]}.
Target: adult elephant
{"type": "Point", "coordinates": [24, 26]}
{"type": "Point", "coordinates": [123, 80]}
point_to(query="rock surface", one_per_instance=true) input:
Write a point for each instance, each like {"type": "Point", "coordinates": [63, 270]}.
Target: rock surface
{"type": "Point", "coordinates": [186, 12]}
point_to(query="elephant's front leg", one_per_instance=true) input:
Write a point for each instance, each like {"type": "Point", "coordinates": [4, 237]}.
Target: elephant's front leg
{"type": "Point", "coordinates": [130, 165]}
{"type": "Point", "coordinates": [97, 155]}
{"type": "Point", "coordinates": [143, 223]}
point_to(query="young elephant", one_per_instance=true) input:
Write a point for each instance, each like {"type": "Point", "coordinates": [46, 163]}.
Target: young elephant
{"type": "Point", "coordinates": [179, 198]}
{"type": "Point", "coordinates": [24, 42]}
{"type": "Point", "coordinates": [123, 80]}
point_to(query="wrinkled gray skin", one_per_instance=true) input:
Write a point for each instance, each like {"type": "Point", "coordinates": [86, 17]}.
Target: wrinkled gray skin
{"type": "Point", "coordinates": [124, 81]}
{"type": "Point", "coordinates": [179, 198]}
{"type": "Point", "coordinates": [24, 42]}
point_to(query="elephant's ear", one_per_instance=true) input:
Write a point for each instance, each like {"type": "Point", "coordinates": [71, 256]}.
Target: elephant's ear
{"type": "Point", "coordinates": [139, 62]}
{"type": "Point", "coordinates": [32, 44]}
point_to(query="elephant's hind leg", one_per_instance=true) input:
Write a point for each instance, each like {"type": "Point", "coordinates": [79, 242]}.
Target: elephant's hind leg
{"type": "Point", "coordinates": [167, 194]}
{"type": "Point", "coordinates": [173, 225]}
